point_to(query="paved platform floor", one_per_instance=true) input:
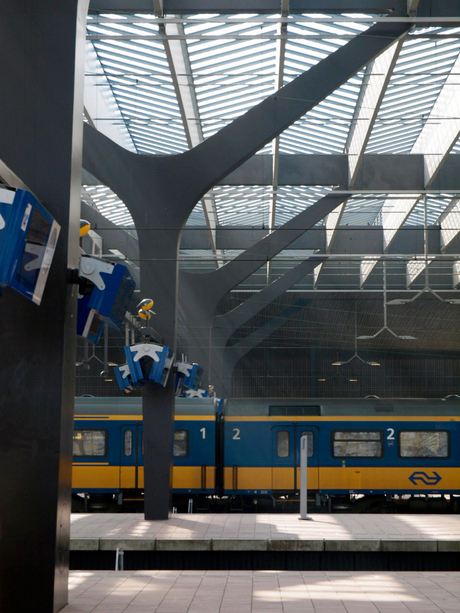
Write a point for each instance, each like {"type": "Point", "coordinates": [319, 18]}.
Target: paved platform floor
{"type": "Point", "coordinates": [369, 532]}
{"type": "Point", "coordinates": [263, 591]}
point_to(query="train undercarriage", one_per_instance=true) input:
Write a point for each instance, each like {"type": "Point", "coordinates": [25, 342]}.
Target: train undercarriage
{"type": "Point", "coordinates": [133, 502]}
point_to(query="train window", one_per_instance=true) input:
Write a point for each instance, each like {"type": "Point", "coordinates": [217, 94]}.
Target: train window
{"type": "Point", "coordinates": [282, 443]}
{"type": "Point", "coordinates": [309, 435]}
{"type": "Point", "coordinates": [357, 444]}
{"type": "Point", "coordinates": [128, 443]}
{"type": "Point", "coordinates": [181, 443]}
{"type": "Point", "coordinates": [90, 442]}
{"type": "Point", "coordinates": [424, 444]}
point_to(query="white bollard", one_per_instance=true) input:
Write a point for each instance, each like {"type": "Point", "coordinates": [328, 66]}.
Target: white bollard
{"type": "Point", "coordinates": [303, 476]}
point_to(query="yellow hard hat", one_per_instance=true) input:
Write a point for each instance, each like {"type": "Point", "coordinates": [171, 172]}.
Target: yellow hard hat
{"type": "Point", "coordinates": [146, 315]}
{"type": "Point", "coordinates": [145, 304]}
{"type": "Point", "coordinates": [84, 227]}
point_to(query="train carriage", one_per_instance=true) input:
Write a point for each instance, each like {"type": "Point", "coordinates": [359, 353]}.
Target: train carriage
{"type": "Point", "coordinates": [108, 448]}
{"type": "Point", "coordinates": [249, 451]}
{"type": "Point", "coordinates": [363, 447]}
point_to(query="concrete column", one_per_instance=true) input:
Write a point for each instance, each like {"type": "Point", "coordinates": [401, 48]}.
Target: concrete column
{"type": "Point", "coordinates": [41, 104]}
{"type": "Point", "coordinates": [161, 192]}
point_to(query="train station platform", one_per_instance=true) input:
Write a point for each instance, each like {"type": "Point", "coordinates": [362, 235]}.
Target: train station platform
{"type": "Point", "coordinates": [207, 532]}
{"type": "Point", "coordinates": [267, 542]}
{"type": "Point", "coordinates": [262, 591]}
{"type": "Point", "coordinates": [204, 563]}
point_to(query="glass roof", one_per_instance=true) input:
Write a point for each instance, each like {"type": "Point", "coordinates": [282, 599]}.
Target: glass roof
{"type": "Point", "coordinates": [178, 80]}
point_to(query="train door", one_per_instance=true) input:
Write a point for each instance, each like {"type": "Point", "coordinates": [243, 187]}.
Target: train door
{"type": "Point", "coordinates": [283, 458]}
{"type": "Point", "coordinates": [286, 457]}
{"type": "Point", "coordinates": [129, 456]}
{"type": "Point", "coordinates": [312, 455]}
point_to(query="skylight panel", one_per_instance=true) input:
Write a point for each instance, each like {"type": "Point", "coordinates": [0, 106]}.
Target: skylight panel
{"type": "Point", "coordinates": [436, 205]}
{"type": "Point", "coordinates": [362, 211]}
{"type": "Point", "coordinates": [410, 101]}
{"type": "Point", "coordinates": [292, 200]}
{"type": "Point", "coordinates": [108, 204]}
{"type": "Point", "coordinates": [242, 205]}
{"type": "Point", "coordinates": [139, 75]}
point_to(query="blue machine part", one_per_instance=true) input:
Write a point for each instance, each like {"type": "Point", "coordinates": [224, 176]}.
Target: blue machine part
{"type": "Point", "coordinates": [133, 360]}
{"type": "Point", "coordinates": [124, 379]}
{"type": "Point", "coordinates": [196, 393]}
{"type": "Point", "coordinates": [28, 237]}
{"type": "Point", "coordinates": [89, 324]}
{"type": "Point", "coordinates": [113, 302]}
{"type": "Point", "coordinates": [108, 300]}
{"type": "Point", "coordinates": [147, 361]}
{"type": "Point", "coordinates": [190, 374]}
{"type": "Point", "coordinates": [160, 370]}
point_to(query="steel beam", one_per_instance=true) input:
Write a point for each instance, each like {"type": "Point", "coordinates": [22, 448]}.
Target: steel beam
{"type": "Point", "coordinates": [181, 73]}
{"type": "Point", "coordinates": [41, 107]}
{"type": "Point", "coordinates": [376, 79]}
{"type": "Point", "coordinates": [194, 7]}
{"type": "Point", "coordinates": [380, 173]}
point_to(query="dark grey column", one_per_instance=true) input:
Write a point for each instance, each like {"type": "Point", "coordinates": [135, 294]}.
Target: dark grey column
{"type": "Point", "coordinates": [41, 103]}
{"type": "Point", "coordinates": [161, 192]}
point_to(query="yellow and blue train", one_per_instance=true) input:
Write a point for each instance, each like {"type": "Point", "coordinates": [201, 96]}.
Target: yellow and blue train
{"type": "Point", "coordinates": [364, 454]}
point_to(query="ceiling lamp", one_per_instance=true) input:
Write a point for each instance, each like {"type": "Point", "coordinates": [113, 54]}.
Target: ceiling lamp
{"type": "Point", "coordinates": [385, 327]}
{"type": "Point", "coordinates": [355, 355]}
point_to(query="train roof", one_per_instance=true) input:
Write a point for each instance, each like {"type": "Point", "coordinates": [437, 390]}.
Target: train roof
{"type": "Point", "coordinates": [336, 406]}
{"type": "Point", "coordinates": [92, 405]}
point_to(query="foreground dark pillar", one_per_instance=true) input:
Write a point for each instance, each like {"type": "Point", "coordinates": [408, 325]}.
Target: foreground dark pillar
{"type": "Point", "coordinates": [41, 105]}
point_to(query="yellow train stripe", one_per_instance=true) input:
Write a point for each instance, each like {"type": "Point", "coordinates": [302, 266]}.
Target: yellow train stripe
{"type": "Point", "coordinates": [95, 477]}
{"type": "Point", "coordinates": [189, 477]}
{"type": "Point", "coordinates": [88, 476]}
{"type": "Point", "coordinates": [343, 478]}
{"type": "Point", "coordinates": [266, 478]}
{"type": "Point", "coordinates": [108, 417]}
{"type": "Point", "coordinates": [127, 477]}
{"type": "Point", "coordinates": [322, 418]}
{"type": "Point", "coordinates": [388, 478]}
{"type": "Point", "coordinates": [131, 418]}
{"type": "Point", "coordinates": [195, 418]}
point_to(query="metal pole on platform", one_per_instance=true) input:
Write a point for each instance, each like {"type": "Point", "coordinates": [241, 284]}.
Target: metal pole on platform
{"type": "Point", "coordinates": [303, 476]}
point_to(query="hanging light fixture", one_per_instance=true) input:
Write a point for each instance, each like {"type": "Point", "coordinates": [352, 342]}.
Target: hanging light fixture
{"type": "Point", "coordinates": [385, 327]}
{"type": "Point", "coordinates": [355, 355]}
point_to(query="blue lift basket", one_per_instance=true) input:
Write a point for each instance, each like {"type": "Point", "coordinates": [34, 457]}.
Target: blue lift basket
{"type": "Point", "coordinates": [28, 237]}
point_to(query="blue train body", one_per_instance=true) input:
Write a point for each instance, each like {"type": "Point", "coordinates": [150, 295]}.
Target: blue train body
{"type": "Point", "coordinates": [248, 450]}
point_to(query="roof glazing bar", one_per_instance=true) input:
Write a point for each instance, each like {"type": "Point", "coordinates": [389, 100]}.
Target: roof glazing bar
{"type": "Point", "coordinates": [279, 78]}
{"type": "Point", "coordinates": [181, 72]}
